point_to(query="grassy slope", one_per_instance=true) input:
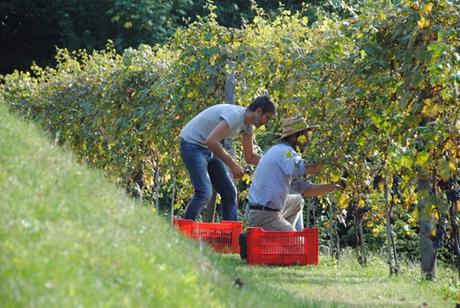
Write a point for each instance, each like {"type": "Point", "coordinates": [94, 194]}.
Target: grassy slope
{"type": "Point", "coordinates": [68, 238]}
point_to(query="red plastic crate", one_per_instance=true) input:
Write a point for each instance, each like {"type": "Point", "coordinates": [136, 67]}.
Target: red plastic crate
{"type": "Point", "coordinates": [223, 236]}
{"type": "Point", "coordinates": [283, 248]}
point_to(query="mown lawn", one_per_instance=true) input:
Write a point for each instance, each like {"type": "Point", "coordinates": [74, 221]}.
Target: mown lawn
{"type": "Point", "coordinates": [346, 283]}
{"type": "Point", "coordinates": [69, 238]}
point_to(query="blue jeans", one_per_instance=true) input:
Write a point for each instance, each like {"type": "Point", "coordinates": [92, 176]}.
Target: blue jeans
{"type": "Point", "coordinates": [205, 171]}
{"type": "Point", "coordinates": [299, 223]}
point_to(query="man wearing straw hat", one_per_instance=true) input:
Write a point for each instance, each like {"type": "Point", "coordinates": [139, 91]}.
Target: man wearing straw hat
{"type": "Point", "coordinates": [280, 170]}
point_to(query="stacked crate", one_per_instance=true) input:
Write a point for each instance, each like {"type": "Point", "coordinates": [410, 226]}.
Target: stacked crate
{"type": "Point", "coordinates": [222, 237]}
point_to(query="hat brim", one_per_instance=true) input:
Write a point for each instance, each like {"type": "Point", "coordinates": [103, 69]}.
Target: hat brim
{"type": "Point", "coordinates": [295, 132]}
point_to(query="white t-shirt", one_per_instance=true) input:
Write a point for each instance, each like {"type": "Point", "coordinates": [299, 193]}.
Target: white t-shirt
{"type": "Point", "coordinates": [198, 129]}
{"type": "Point", "coordinates": [279, 172]}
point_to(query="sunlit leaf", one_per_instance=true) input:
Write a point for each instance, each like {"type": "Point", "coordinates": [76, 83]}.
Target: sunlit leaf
{"type": "Point", "coordinates": [423, 22]}
{"type": "Point", "coordinates": [427, 8]}
{"type": "Point", "coordinates": [444, 170]}
{"type": "Point", "coordinates": [422, 158]}
{"type": "Point", "coordinates": [128, 25]}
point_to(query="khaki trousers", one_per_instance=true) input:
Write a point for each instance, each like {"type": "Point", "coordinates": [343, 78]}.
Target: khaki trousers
{"type": "Point", "coordinates": [278, 221]}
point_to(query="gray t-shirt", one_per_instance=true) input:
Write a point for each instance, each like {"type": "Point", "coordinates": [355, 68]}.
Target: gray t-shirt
{"type": "Point", "coordinates": [198, 129]}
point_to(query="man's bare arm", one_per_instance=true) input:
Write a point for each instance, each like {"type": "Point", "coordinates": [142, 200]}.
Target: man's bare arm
{"type": "Point", "coordinates": [319, 189]}
{"type": "Point", "coordinates": [248, 149]}
{"type": "Point", "coordinates": [213, 142]}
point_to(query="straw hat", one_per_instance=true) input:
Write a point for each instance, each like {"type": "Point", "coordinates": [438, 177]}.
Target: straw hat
{"type": "Point", "coordinates": [293, 126]}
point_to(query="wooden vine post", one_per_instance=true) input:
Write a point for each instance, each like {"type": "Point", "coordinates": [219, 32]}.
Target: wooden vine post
{"type": "Point", "coordinates": [173, 195]}
{"type": "Point", "coordinates": [392, 261]}
{"type": "Point", "coordinates": [230, 84]}
{"type": "Point", "coordinates": [157, 189]}
{"type": "Point", "coordinates": [428, 260]}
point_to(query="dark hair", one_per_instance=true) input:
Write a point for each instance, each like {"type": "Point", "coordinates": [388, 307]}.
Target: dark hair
{"type": "Point", "coordinates": [265, 102]}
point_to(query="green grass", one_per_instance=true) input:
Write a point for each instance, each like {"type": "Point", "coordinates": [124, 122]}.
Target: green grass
{"type": "Point", "coordinates": [70, 238]}
{"type": "Point", "coordinates": [346, 283]}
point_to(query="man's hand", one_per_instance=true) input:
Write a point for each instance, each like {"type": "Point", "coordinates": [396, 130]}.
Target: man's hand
{"type": "Point", "coordinates": [237, 171]}
{"type": "Point", "coordinates": [340, 184]}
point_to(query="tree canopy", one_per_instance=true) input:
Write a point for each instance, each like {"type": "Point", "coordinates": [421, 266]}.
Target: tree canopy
{"type": "Point", "coordinates": [32, 30]}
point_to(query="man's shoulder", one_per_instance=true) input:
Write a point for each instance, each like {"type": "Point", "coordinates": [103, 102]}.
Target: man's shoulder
{"type": "Point", "coordinates": [280, 146]}
{"type": "Point", "coordinates": [233, 115]}
{"type": "Point", "coordinates": [231, 107]}
{"type": "Point", "coordinates": [220, 109]}
{"type": "Point", "coordinates": [275, 149]}
{"type": "Point", "coordinates": [282, 150]}
{"type": "Point", "coordinates": [226, 106]}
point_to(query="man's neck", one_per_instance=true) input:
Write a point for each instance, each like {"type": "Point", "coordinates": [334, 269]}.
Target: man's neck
{"type": "Point", "coordinates": [289, 143]}
{"type": "Point", "coordinates": [248, 117]}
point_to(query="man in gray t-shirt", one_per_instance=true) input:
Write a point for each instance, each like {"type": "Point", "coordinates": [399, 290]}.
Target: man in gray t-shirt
{"type": "Point", "coordinates": [205, 158]}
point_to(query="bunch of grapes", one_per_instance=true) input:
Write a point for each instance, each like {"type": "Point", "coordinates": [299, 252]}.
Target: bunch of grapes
{"type": "Point", "coordinates": [441, 234]}
{"type": "Point", "coordinates": [395, 188]}
{"type": "Point", "coordinates": [452, 193]}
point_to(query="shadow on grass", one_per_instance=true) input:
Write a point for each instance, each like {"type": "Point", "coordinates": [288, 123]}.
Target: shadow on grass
{"type": "Point", "coordinates": [323, 280]}
{"type": "Point", "coordinates": [300, 274]}
{"type": "Point", "coordinates": [281, 281]}
{"type": "Point", "coordinates": [335, 285]}
{"type": "Point", "coordinates": [263, 284]}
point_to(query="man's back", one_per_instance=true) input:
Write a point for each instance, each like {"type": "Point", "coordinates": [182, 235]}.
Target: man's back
{"type": "Point", "coordinates": [273, 175]}
{"type": "Point", "coordinates": [198, 129]}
